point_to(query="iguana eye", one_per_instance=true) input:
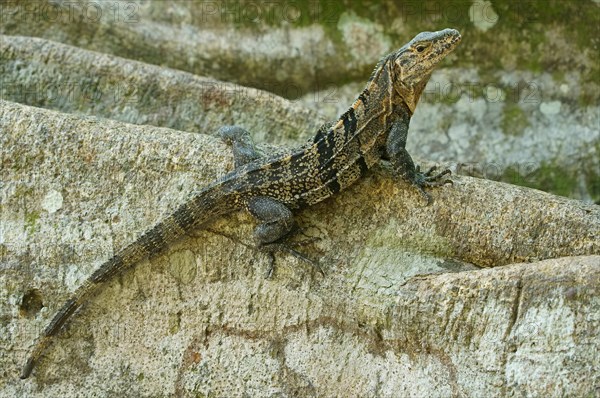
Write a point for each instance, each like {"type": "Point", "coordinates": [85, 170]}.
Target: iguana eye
{"type": "Point", "coordinates": [421, 48]}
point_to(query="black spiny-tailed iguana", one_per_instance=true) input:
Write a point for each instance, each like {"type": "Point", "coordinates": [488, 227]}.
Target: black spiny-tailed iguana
{"type": "Point", "coordinates": [375, 127]}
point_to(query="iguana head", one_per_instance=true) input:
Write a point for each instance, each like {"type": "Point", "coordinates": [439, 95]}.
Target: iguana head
{"type": "Point", "coordinates": [410, 67]}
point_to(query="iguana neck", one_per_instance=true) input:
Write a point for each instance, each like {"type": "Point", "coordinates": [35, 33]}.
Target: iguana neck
{"type": "Point", "coordinates": [366, 121]}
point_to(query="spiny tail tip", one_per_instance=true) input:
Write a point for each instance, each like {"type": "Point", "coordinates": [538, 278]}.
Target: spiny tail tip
{"type": "Point", "coordinates": [27, 369]}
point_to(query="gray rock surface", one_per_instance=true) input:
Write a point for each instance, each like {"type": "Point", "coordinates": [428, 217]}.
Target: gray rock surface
{"type": "Point", "coordinates": [402, 311]}
{"type": "Point", "coordinates": [191, 36]}
{"type": "Point", "coordinates": [56, 76]}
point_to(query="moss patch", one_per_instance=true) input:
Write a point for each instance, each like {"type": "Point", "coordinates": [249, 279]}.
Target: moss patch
{"type": "Point", "coordinates": [31, 224]}
{"type": "Point", "coordinates": [548, 177]}
{"type": "Point", "coordinates": [593, 184]}
{"type": "Point", "coordinates": [514, 120]}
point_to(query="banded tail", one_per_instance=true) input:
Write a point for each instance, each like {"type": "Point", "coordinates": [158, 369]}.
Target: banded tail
{"type": "Point", "coordinates": [209, 203]}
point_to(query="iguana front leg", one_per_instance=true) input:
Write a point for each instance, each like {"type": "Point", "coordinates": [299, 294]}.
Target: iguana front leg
{"type": "Point", "coordinates": [403, 164]}
{"type": "Point", "coordinates": [244, 150]}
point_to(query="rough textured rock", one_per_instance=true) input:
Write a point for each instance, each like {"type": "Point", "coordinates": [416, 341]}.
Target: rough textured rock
{"type": "Point", "coordinates": [403, 310]}
{"type": "Point", "coordinates": [292, 48]}
{"type": "Point", "coordinates": [56, 76]}
{"type": "Point", "coordinates": [187, 36]}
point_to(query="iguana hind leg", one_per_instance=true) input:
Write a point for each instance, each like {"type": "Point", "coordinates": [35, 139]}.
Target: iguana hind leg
{"type": "Point", "coordinates": [276, 221]}
{"type": "Point", "coordinates": [276, 225]}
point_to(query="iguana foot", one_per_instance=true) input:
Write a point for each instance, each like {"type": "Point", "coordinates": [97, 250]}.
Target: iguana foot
{"type": "Point", "coordinates": [429, 179]}
{"type": "Point", "coordinates": [271, 248]}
